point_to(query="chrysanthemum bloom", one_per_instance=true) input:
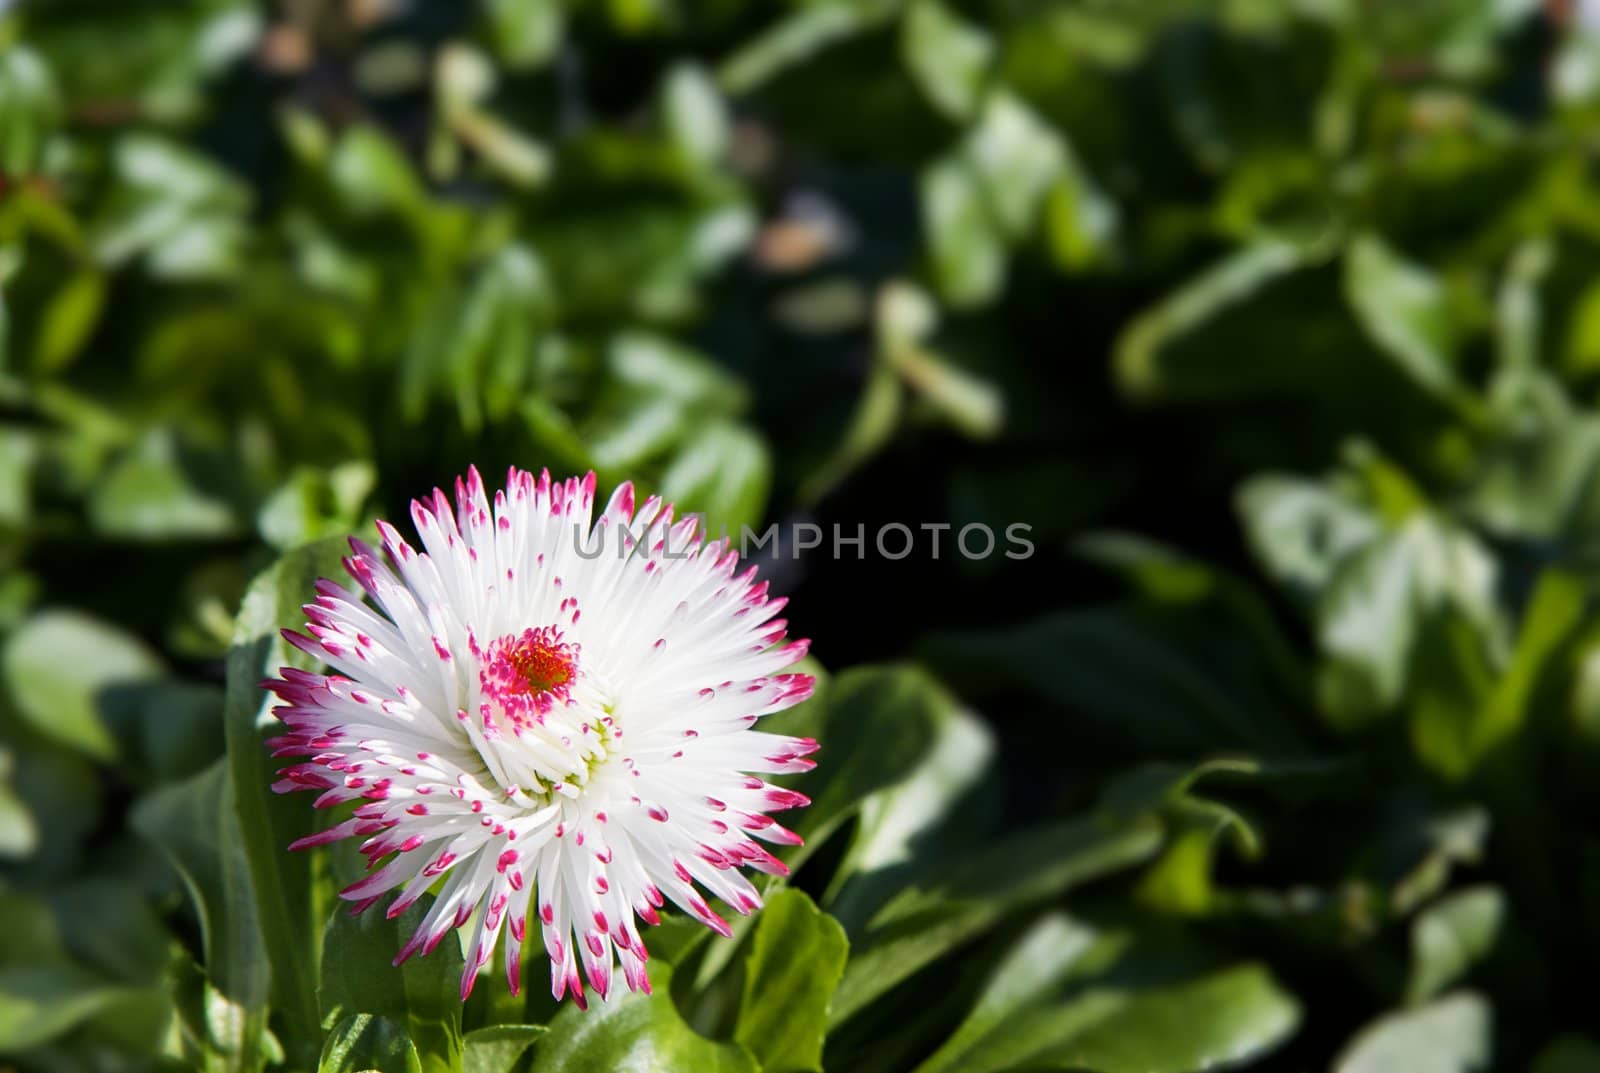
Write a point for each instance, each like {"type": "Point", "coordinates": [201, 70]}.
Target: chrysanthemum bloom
{"type": "Point", "coordinates": [545, 714]}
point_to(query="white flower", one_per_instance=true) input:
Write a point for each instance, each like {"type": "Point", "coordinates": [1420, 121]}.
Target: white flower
{"type": "Point", "coordinates": [545, 713]}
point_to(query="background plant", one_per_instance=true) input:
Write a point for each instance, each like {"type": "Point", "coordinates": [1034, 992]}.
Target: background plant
{"type": "Point", "coordinates": [1275, 319]}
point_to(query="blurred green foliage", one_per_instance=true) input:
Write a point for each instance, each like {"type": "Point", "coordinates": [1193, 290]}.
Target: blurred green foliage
{"type": "Point", "coordinates": [1277, 320]}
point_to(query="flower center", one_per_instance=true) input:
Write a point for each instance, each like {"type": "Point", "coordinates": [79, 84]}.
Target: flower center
{"type": "Point", "coordinates": [545, 726]}
{"type": "Point", "coordinates": [528, 674]}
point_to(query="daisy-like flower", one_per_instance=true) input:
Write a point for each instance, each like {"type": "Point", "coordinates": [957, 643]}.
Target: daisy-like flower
{"type": "Point", "coordinates": [547, 717]}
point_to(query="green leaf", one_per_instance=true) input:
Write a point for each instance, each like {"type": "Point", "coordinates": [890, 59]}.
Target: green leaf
{"type": "Point", "coordinates": [695, 116]}
{"type": "Point", "coordinates": [525, 33]}
{"type": "Point", "coordinates": [1145, 352]}
{"type": "Point", "coordinates": [1224, 1018]}
{"type": "Point", "coordinates": [1153, 687]}
{"type": "Point", "coordinates": [362, 1043]}
{"type": "Point", "coordinates": [497, 1048]}
{"type": "Point", "coordinates": [1076, 995]}
{"type": "Point", "coordinates": [796, 38]}
{"type": "Point", "coordinates": [964, 241]}
{"type": "Point", "coordinates": [315, 504]}
{"type": "Point", "coordinates": [927, 923]}
{"type": "Point", "coordinates": [1302, 530]}
{"type": "Point", "coordinates": [293, 907]}
{"type": "Point", "coordinates": [1017, 158]}
{"type": "Point", "coordinates": [796, 959]}
{"type": "Point", "coordinates": [67, 322]}
{"type": "Point", "coordinates": [29, 109]}
{"type": "Point", "coordinates": [372, 177]}
{"type": "Point", "coordinates": [196, 823]}
{"type": "Point", "coordinates": [178, 210]}
{"type": "Point", "coordinates": [1081, 220]}
{"type": "Point", "coordinates": [877, 723]}
{"type": "Point", "coordinates": [653, 365]}
{"type": "Point", "coordinates": [108, 925]}
{"type": "Point", "coordinates": [634, 1033]}
{"type": "Point", "coordinates": [912, 826]}
{"type": "Point", "coordinates": [19, 834]}
{"type": "Point", "coordinates": [723, 471]}
{"type": "Point", "coordinates": [422, 996]}
{"type": "Point", "coordinates": [948, 58]}
{"type": "Point", "coordinates": [61, 666]}
{"type": "Point", "coordinates": [147, 495]}
{"type": "Point", "coordinates": [1554, 613]}
{"type": "Point", "coordinates": [38, 1004]}
{"type": "Point", "coordinates": [1371, 612]}
{"type": "Point", "coordinates": [1406, 312]}
{"type": "Point", "coordinates": [1450, 1035]}
{"type": "Point", "coordinates": [1451, 936]}
{"type": "Point", "coordinates": [1160, 787]}
{"type": "Point", "coordinates": [998, 1026]}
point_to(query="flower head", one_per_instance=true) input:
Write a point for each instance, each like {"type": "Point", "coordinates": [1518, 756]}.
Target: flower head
{"type": "Point", "coordinates": [545, 713]}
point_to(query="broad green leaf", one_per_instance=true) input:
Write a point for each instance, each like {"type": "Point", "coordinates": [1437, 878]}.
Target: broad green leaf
{"type": "Point", "coordinates": [912, 826]}
{"type": "Point", "coordinates": [29, 108]}
{"type": "Point", "coordinates": [1077, 995]}
{"type": "Point", "coordinates": [695, 115]}
{"type": "Point", "coordinates": [657, 366]}
{"type": "Point", "coordinates": [1541, 487]}
{"type": "Point", "coordinates": [372, 177]}
{"type": "Point", "coordinates": [1370, 613]}
{"type": "Point", "coordinates": [147, 495]}
{"type": "Point", "coordinates": [949, 58]}
{"type": "Point", "coordinates": [524, 33]}
{"type": "Point", "coordinates": [1017, 158]}
{"type": "Point", "coordinates": [178, 210]}
{"type": "Point", "coordinates": [1081, 220]}
{"type": "Point", "coordinates": [68, 321]}
{"type": "Point", "coordinates": [965, 244]}
{"type": "Point", "coordinates": [1301, 530]}
{"type": "Point", "coordinates": [634, 1033]}
{"type": "Point", "coordinates": [1555, 611]}
{"type": "Point", "coordinates": [1405, 310]}
{"type": "Point", "coordinates": [179, 728]}
{"type": "Point", "coordinates": [1455, 739]}
{"type": "Point", "coordinates": [1158, 787]}
{"type": "Point", "coordinates": [796, 959]}
{"type": "Point", "coordinates": [1451, 936]}
{"type": "Point", "coordinates": [37, 1004]}
{"type": "Point", "coordinates": [796, 38]}
{"type": "Point", "coordinates": [361, 1043]}
{"type": "Point", "coordinates": [877, 724]}
{"type": "Point", "coordinates": [497, 1048]}
{"type": "Point", "coordinates": [1154, 687]}
{"type": "Point", "coordinates": [314, 504]}
{"type": "Point", "coordinates": [725, 472]}
{"type": "Point", "coordinates": [421, 997]}
{"type": "Point", "coordinates": [292, 906]}
{"type": "Point", "coordinates": [19, 834]}
{"type": "Point", "coordinates": [926, 923]}
{"type": "Point", "coordinates": [993, 1031]}
{"type": "Point", "coordinates": [108, 924]}
{"type": "Point", "coordinates": [1142, 359]}
{"type": "Point", "coordinates": [196, 823]}
{"type": "Point", "coordinates": [1449, 1035]}
{"type": "Point", "coordinates": [63, 669]}
{"type": "Point", "coordinates": [1224, 1018]}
